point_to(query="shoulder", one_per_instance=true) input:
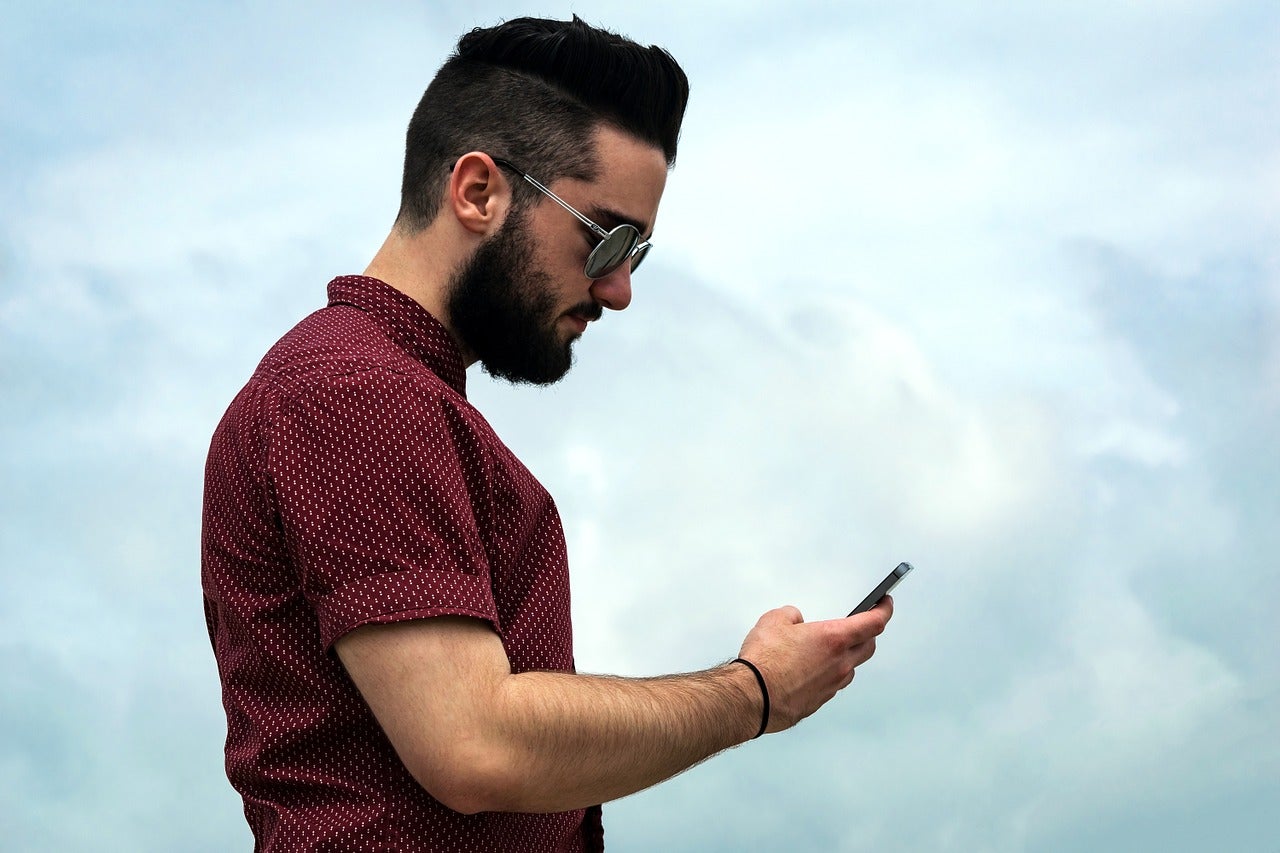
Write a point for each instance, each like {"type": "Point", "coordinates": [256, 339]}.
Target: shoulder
{"type": "Point", "coordinates": [335, 341]}
{"type": "Point", "coordinates": [341, 356]}
{"type": "Point", "coordinates": [340, 374]}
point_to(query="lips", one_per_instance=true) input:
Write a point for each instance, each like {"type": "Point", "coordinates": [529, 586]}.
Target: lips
{"type": "Point", "coordinates": [583, 314]}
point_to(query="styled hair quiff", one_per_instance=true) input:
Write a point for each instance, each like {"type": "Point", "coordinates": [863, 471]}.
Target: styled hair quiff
{"type": "Point", "coordinates": [533, 91]}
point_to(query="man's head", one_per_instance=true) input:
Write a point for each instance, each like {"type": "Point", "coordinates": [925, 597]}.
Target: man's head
{"type": "Point", "coordinates": [532, 91]}
{"type": "Point", "coordinates": [591, 115]}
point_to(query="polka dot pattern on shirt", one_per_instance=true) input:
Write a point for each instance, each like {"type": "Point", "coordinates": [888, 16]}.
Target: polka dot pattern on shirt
{"type": "Point", "coordinates": [350, 482]}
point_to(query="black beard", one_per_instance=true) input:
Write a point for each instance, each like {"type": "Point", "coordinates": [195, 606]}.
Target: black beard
{"type": "Point", "coordinates": [505, 312]}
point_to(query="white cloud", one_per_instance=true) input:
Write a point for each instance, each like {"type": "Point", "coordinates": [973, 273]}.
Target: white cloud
{"type": "Point", "coordinates": [871, 334]}
{"type": "Point", "coordinates": [1138, 443]}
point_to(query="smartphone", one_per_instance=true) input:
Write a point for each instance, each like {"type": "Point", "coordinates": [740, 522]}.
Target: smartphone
{"type": "Point", "coordinates": [890, 581]}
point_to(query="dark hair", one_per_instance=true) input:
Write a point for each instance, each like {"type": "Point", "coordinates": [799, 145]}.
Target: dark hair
{"type": "Point", "coordinates": [533, 91]}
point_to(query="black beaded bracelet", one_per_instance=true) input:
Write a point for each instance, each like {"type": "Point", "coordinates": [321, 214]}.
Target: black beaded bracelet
{"type": "Point", "coordinates": [764, 691]}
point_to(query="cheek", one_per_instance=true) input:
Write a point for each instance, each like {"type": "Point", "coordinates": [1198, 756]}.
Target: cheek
{"type": "Point", "coordinates": [559, 247]}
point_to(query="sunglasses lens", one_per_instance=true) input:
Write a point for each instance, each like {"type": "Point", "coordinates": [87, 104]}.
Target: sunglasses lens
{"type": "Point", "coordinates": [639, 256]}
{"type": "Point", "coordinates": [612, 251]}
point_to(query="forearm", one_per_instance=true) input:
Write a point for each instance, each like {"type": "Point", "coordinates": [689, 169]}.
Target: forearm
{"type": "Point", "coordinates": [480, 738]}
{"type": "Point", "coordinates": [566, 741]}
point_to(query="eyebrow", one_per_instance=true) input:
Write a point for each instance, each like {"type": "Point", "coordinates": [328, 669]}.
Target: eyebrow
{"type": "Point", "coordinates": [608, 218]}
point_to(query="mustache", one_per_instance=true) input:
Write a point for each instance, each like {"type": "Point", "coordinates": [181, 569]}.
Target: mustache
{"type": "Point", "coordinates": [590, 310]}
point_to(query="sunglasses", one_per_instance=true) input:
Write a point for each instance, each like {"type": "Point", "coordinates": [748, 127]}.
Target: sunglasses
{"type": "Point", "coordinates": [616, 246]}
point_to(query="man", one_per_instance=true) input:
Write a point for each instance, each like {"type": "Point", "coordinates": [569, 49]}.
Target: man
{"type": "Point", "coordinates": [386, 586]}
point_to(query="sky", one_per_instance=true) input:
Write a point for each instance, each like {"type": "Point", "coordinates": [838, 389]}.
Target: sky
{"type": "Point", "coordinates": [992, 288]}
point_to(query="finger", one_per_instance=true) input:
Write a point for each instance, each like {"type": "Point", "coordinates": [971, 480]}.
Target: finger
{"type": "Point", "coordinates": [862, 652]}
{"type": "Point", "coordinates": [879, 615]}
{"type": "Point", "coordinates": [862, 626]}
{"type": "Point", "coordinates": [786, 615]}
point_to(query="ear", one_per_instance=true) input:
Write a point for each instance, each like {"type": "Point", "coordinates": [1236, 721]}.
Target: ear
{"type": "Point", "coordinates": [479, 195]}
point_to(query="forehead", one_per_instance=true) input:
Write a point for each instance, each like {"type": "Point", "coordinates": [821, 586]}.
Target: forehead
{"type": "Point", "coordinates": [630, 178]}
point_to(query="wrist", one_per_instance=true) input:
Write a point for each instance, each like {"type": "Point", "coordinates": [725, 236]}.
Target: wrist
{"type": "Point", "coordinates": [761, 692]}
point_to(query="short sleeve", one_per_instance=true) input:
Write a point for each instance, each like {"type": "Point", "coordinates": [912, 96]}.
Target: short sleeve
{"type": "Point", "coordinates": [377, 478]}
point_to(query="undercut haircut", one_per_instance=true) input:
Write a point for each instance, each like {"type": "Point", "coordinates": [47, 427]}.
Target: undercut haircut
{"type": "Point", "coordinates": [533, 91]}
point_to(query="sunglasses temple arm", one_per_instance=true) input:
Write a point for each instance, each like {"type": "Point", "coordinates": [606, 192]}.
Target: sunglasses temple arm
{"type": "Point", "coordinates": [595, 229]}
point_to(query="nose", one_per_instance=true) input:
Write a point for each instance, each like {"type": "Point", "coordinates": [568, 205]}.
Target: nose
{"type": "Point", "coordinates": [614, 290]}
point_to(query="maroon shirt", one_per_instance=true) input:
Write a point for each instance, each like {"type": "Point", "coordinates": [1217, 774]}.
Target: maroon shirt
{"type": "Point", "coordinates": [350, 482]}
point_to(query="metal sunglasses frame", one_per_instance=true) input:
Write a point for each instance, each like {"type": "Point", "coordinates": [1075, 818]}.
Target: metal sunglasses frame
{"type": "Point", "coordinates": [638, 248]}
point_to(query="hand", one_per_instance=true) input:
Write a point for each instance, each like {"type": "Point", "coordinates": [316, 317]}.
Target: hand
{"type": "Point", "coordinates": [804, 664]}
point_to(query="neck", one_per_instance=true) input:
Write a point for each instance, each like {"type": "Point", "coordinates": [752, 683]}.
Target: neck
{"type": "Point", "coordinates": [420, 265]}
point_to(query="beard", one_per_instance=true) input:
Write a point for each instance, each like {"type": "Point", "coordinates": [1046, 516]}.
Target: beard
{"type": "Point", "coordinates": [505, 311]}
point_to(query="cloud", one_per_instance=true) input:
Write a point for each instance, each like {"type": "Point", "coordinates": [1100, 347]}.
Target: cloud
{"type": "Point", "coordinates": [995, 294]}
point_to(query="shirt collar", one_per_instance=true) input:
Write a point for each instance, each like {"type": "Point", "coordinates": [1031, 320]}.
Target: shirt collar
{"type": "Point", "coordinates": [410, 325]}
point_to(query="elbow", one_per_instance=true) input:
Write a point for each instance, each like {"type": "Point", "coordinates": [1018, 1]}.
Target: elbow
{"type": "Point", "coordinates": [462, 798]}
{"type": "Point", "coordinates": [472, 795]}
{"type": "Point", "coordinates": [469, 778]}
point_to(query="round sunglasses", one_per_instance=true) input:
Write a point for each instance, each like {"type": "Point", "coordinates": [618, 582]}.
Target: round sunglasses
{"type": "Point", "coordinates": [616, 246]}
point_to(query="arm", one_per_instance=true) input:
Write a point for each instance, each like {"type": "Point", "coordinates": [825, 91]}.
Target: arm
{"type": "Point", "coordinates": [479, 738]}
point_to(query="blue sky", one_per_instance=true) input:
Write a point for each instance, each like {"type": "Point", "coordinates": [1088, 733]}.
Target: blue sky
{"type": "Point", "coordinates": [992, 288]}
